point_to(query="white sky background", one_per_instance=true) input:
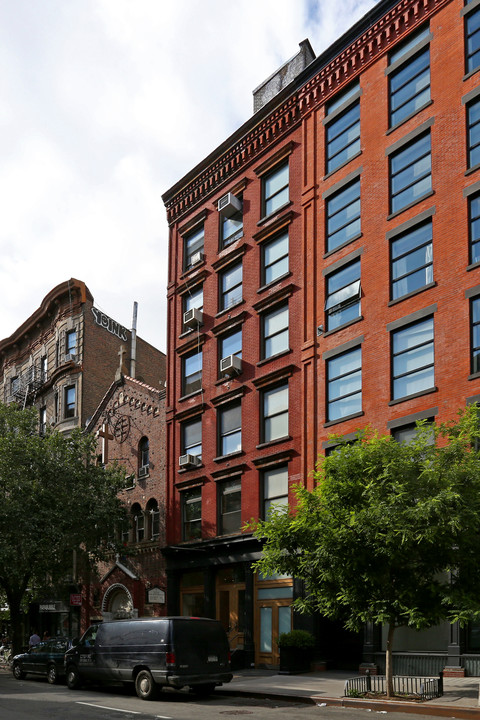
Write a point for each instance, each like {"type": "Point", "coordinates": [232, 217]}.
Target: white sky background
{"type": "Point", "coordinates": [104, 105]}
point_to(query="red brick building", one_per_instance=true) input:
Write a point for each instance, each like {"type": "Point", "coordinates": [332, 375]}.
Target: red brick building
{"type": "Point", "coordinates": [129, 425]}
{"type": "Point", "coordinates": [324, 274]}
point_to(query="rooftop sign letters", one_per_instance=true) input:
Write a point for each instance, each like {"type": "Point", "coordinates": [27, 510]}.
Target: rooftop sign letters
{"type": "Point", "coordinates": [109, 324]}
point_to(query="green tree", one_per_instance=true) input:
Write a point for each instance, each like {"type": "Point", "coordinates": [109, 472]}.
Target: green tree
{"type": "Point", "coordinates": [390, 533]}
{"type": "Point", "coordinates": [54, 502]}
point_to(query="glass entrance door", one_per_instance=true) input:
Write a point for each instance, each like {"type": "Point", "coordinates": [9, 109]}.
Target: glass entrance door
{"type": "Point", "coordinates": [231, 606]}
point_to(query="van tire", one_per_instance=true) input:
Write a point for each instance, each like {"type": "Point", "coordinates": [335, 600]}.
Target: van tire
{"type": "Point", "coordinates": [204, 690]}
{"type": "Point", "coordinates": [145, 685]}
{"type": "Point", "coordinates": [73, 678]}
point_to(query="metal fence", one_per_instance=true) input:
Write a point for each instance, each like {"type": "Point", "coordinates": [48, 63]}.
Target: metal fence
{"type": "Point", "coordinates": [414, 663]}
{"type": "Point", "coordinates": [422, 687]}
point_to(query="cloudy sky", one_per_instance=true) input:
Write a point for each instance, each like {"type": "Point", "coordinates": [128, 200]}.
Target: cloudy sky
{"type": "Point", "coordinates": [105, 104]}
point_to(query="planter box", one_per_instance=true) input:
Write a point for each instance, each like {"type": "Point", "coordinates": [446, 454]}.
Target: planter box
{"type": "Point", "coordinates": [295, 660]}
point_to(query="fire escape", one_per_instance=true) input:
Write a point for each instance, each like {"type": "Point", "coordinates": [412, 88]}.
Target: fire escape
{"type": "Point", "coordinates": [24, 388]}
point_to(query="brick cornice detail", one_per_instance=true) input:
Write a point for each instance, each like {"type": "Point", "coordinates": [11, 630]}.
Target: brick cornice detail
{"type": "Point", "coordinates": [346, 66]}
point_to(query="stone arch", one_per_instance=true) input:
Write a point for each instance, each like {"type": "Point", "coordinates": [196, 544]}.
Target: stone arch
{"type": "Point", "coordinates": [117, 603]}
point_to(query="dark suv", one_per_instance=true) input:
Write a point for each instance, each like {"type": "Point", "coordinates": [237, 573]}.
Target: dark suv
{"type": "Point", "coordinates": [46, 658]}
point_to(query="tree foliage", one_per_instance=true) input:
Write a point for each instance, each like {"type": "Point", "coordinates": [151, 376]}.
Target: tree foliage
{"type": "Point", "coordinates": [390, 534]}
{"type": "Point", "coordinates": [54, 500]}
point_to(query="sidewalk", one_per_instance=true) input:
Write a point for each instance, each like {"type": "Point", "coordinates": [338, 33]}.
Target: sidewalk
{"type": "Point", "coordinates": [460, 698]}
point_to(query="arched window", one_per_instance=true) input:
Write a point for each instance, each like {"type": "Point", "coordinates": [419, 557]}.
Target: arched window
{"type": "Point", "coordinates": [138, 519]}
{"type": "Point", "coordinates": [153, 520]}
{"type": "Point", "coordinates": [143, 457]}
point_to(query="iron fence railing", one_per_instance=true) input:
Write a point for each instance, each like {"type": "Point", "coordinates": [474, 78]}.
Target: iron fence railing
{"type": "Point", "coordinates": [420, 687]}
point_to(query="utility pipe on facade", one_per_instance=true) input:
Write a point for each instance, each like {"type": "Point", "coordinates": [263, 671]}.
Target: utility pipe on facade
{"type": "Point", "coordinates": [133, 354]}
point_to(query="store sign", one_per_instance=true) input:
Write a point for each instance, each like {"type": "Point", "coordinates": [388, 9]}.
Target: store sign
{"type": "Point", "coordinates": [156, 595]}
{"type": "Point", "coordinates": [109, 324]}
{"type": "Point", "coordinates": [75, 599]}
{"type": "Point", "coordinates": [51, 606]}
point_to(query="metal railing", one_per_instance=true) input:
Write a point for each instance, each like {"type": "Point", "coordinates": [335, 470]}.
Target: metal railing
{"type": "Point", "coordinates": [420, 687]}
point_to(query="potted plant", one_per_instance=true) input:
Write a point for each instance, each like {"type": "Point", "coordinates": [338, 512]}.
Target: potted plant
{"type": "Point", "coordinates": [296, 651]}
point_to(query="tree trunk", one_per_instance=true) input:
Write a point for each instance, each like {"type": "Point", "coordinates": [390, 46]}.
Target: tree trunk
{"type": "Point", "coordinates": [16, 615]}
{"type": "Point", "coordinates": [389, 660]}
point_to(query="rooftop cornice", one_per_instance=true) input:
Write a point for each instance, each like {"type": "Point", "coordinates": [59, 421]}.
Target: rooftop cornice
{"type": "Point", "coordinates": [326, 75]}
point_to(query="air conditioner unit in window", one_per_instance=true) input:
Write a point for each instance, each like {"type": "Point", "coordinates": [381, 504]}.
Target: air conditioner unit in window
{"type": "Point", "coordinates": [196, 257]}
{"type": "Point", "coordinates": [189, 461]}
{"type": "Point", "coordinates": [70, 357]}
{"type": "Point", "coordinates": [193, 318]}
{"type": "Point", "coordinates": [143, 471]}
{"type": "Point", "coordinates": [230, 365]}
{"type": "Point", "coordinates": [229, 204]}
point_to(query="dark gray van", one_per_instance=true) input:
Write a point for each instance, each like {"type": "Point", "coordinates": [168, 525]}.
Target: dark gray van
{"type": "Point", "coordinates": [152, 653]}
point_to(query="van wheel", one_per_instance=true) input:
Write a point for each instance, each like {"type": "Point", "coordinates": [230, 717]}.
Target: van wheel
{"type": "Point", "coordinates": [204, 690]}
{"type": "Point", "coordinates": [52, 676]}
{"type": "Point", "coordinates": [18, 673]}
{"type": "Point", "coordinates": [145, 686]}
{"type": "Point", "coordinates": [73, 678]}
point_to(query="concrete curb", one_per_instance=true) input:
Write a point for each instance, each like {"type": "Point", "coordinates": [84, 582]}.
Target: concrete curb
{"type": "Point", "coordinates": [451, 711]}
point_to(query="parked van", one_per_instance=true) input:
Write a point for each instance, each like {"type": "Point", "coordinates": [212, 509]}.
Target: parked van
{"type": "Point", "coordinates": [152, 653]}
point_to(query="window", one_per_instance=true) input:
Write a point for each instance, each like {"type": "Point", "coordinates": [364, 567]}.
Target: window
{"type": "Point", "coordinates": [231, 228]}
{"type": "Point", "coordinates": [153, 515]}
{"type": "Point", "coordinates": [230, 344]}
{"type": "Point", "coordinates": [192, 246]}
{"type": "Point", "coordinates": [143, 453]}
{"type": "Point", "coordinates": [406, 433]}
{"type": "Point", "coordinates": [192, 514]}
{"type": "Point", "coordinates": [343, 216]}
{"type": "Point", "coordinates": [472, 40]}
{"type": "Point", "coordinates": [275, 259]}
{"type": "Point", "coordinates": [275, 190]}
{"type": "Point", "coordinates": [410, 173]}
{"type": "Point", "coordinates": [343, 131]}
{"type": "Point", "coordinates": [275, 332]}
{"type": "Point", "coordinates": [193, 300]}
{"type": "Point", "coordinates": [474, 223]}
{"type": "Point", "coordinates": [343, 296]}
{"type": "Point", "coordinates": [138, 519]}
{"type": "Point", "coordinates": [69, 401]}
{"type": "Point", "coordinates": [192, 373]}
{"type": "Point", "coordinates": [344, 384]}
{"type": "Point", "coordinates": [473, 120]}
{"type": "Point", "coordinates": [70, 342]}
{"type": "Point", "coordinates": [42, 421]}
{"type": "Point", "coordinates": [409, 83]}
{"type": "Point", "coordinates": [231, 286]}
{"type": "Point", "coordinates": [412, 260]}
{"type": "Point", "coordinates": [230, 429]}
{"type": "Point", "coordinates": [275, 413]}
{"type": "Point", "coordinates": [230, 493]}
{"type": "Point", "coordinates": [43, 368]}
{"type": "Point", "coordinates": [192, 438]}
{"type": "Point", "coordinates": [15, 385]}
{"type": "Point", "coordinates": [413, 366]}
{"type": "Point", "coordinates": [275, 489]}
{"type": "Point", "coordinates": [475, 320]}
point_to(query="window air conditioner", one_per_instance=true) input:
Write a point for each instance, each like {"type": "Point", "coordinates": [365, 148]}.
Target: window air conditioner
{"type": "Point", "coordinates": [230, 365]}
{"type": "Point", "coordinates": [196, 257]}
{"type": "Point", "coordinates": [193, 318]}
{"type": "Point", "coordinates": [229, 204]}
{"type": "Point", "coordinates": [189, 461]}
{"type": "Point", "coordinates": [70, 357]}
{"type": "Point", "coordinates": [143, 471]}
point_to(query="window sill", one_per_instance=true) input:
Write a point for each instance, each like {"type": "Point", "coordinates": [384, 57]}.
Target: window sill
{"type": "Point", "coordinates": [283, 439]}
{"type": "Point", "coordinates": [192, 269]}
{"type": "Point", "coordinates": [410, 205]}
{"type": "Point", "coordinates": [190, 395]}
{"type": "Point", "coordinates": [274, 282]}
{"type": "Point", "coordinates": [412, 294]}
{"type": "Point", "coordinates": [332, 172]}
{"type": "Point", "coordinates": [342, 327]}
{"type": "Point", "coordinates": [472, 72]}
{"type": "Point", "coordinates": [473, 266]}
{"type": "Point", "coordinates": [471, 170]}
{"type": "Point", "coordinates": [474, 376]}
{"type": "Point", "coordinates": [222, 458]}
{"type": "Point", "coordinates": [266, 218]}
{"type": "Point", "coordinates": [409, 117]}
{"type": "Point", "coordinates": [340, 247]}
{"type": "Point", "coordinates": [229, 242]}
{"type": "Point", "coordinates": [343, 419]}
{"type": "Point", "coordinates": [413, 396]}
{"type": "Point", "coordinates": [229, 309]}
{"type": "Point", "coordinates": [274, 357]}
{"type": "Point", "coordinates": [182, 471]}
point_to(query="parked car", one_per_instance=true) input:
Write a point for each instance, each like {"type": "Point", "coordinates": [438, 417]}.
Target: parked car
{"type": "Point", "coordinates": [46, 658]}
{"type": "Point", "coordinates": [150, 653]}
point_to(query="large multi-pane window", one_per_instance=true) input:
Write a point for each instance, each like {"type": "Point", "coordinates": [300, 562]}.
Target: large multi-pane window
{"type": "Point", "coordinates": [343, 216]}
{"type": "Point", "coordinates": [275, 259]}
{"type": "Point", "coordinates": [475, 342]}
{"type": "Point", "coordinates": [230, 429]}
{"type": "Point", "coordinates": [69, 398]}
{"type": "Point", "coordinates": [138, 519]}
{"type": "Point", "coordinates": [344, 384]}
{"type": "Point", "coordinates": [153, 517]}
{"type": "Point", "coordinates": [275, 332]}
{"type": "Point", "coordinates": [42, 423]}
{"type": "Point", "coordinates": [191, 439]}
{"type": "Point", "coordinates": [193, 247]}
{"type": "Point", "coordinates": [231, 228]}
{"type": "Point", "coordinates": [409, 77]}
{"type": "Point", "coordinates": [474, 222]}
{"type": "Point", "coordinates": [342, 303]}
{"type": "Point", "coordinates": [473, 122]}
{"type": "Point", "coordinates": [71, 342]}
{"type": "Point", "coordinates": [193, 300]}
{"type": "Point", "coordinates": [275, 413]}
{"type": "Point", "coordinates": [410, 173]}
{"type": "Point", "coordinates": [342, 130]}
{"type": "Point", "coordinates": [412, 260]}
{"type": "Point", "coordinates": [192, 373]}
{"type": "Point", "coordinates": [231, 286]}
{"type": "Point", "coordinates": [275, 489]}
{"type": "Point", "coordinates": [472, 39]}
{"type": "Point", "coordinates": [413, 359]}
{"type": "Point", "coordinates": [230, 506]}
{"type": "Point", "coordinates": [230, 344]}
{"type": "Point", "coordinates": [143, 453]}
{"type": "Point", "coordinates": [275, 189]}
{"type": "Point", "coordinates": [192, 514]}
